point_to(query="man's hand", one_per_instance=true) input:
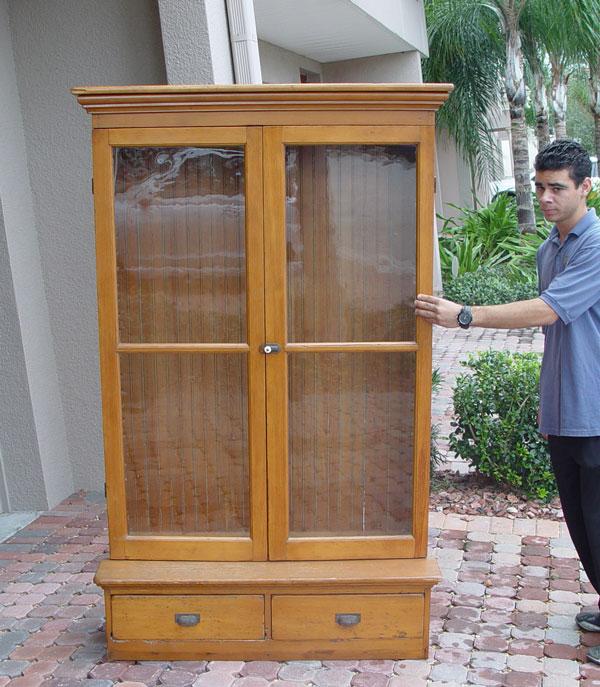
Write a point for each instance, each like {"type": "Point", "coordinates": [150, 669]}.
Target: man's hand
{"type": "Point", "coordinates": [437, 310]}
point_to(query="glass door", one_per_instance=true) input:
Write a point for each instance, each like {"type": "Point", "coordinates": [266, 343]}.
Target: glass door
{"type": "Point", "coordinates": [180, 267]}
{"type": "Point", "coordinates": [349, 367]}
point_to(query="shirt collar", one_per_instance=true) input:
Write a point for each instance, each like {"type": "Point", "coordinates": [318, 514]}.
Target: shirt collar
{"type": "Point", "coordinates": [583, 225]}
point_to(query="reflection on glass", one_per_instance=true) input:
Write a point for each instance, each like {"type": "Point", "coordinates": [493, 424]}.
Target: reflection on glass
{"type": "Point", "coordinates": [351, 247]}
{"type": "Point", "coordinates": [351, 443]}
{"type": "Point", "coordinates": [179, 217]}
{"type": "Point", "coordinates": [185, 443]}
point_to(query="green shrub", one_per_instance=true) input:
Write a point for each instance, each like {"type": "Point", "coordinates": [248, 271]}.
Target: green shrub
{"type": "Point", "coordinates": [496, 409]}
{"type": "Point", "coordinates": [488, 237]}
{"type": "Point", "coordinates": [593, 199]}
{"type": "Point", "coordinates": [490, 287]}
{"type": "Point", "coordinates": [473, 239]}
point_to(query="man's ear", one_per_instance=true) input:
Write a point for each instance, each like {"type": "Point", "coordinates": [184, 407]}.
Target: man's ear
{"type": "Point", "coordinates": [586, 185]}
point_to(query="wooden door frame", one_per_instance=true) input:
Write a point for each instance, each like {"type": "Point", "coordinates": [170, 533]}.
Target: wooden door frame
{"type": "Point", "coordinates": [281, 547]}
{"type": "Point", "coordinates": [166, 547]}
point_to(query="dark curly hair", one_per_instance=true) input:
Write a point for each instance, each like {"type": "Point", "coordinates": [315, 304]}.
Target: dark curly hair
{"type": "Point", "coordinates": [565, 154]}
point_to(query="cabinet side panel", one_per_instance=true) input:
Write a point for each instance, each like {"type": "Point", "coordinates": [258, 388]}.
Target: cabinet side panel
{"type": "Point", "coordinates": [108, 326]}
{"type": "Point", "coordinates": [425, 219]}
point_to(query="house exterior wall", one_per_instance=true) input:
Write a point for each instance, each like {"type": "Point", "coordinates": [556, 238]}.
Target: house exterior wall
{"type": "Point", "coordinates": [19, 449]}
{"type": "Point", "coordinates": [404, 17]}
{"type": "Point", "coordinates": [402, 67]}
{"type": "Point", "coordinates": [279, 65]}
{"type": "Point", "coordinates": [33, 441]}
{"type": "Point", "coordinates": [454, 183]}
{"type": "Point", "coordinates": [220, 49]}
{"type": "Point", "coordinates": [195, 41]}
{"type": "Point", "coordinates": [58, 45]}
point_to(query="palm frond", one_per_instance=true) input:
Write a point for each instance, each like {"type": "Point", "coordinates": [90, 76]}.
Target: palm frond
{"type": "Point", "coordinates": [466, 49]}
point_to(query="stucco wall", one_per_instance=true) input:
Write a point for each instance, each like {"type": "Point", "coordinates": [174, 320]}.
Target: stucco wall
{"type": "Point", "coordinates": [58, 45]}
{"type": "Point", "coordinates": [220, 50]}
{"type": "Point", "coordinates": [402, 67]}
{"type": "Point", "coordinates": [196, 41]}
{"type": "Point", "coordinates": [33, 440]}
{"type": "Point", "coordinates": [283, 66]}
{"type": "Point", "coordinates": [454, 183]}
{"type": "Point", "coordinates": [404, 17]}
{"type": "Point", "coordinates": [19, 451]}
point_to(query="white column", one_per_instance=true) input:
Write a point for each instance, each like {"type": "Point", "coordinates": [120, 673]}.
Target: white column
{"type": "Point", "coordinates": [244, 41]}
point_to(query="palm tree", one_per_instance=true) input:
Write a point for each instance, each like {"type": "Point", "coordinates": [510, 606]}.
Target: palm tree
{"type": "Point", "coordinates": [466, 49]}
{"type": "Point", "coordinates": [509, 13]}
{"type": "Point", "coordinates": [473, 44]}
{"type": "Point", "coordinates": [567, 31]}
{"type": "Point", "coordinates": [539, 94]}
{"type": "Point", "coordinates": [536, 62]}
{"type": "Point", "coordinates": [594, 65]}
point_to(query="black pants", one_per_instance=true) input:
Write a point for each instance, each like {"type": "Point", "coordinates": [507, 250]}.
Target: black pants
{"type": "Point", "coordinates": [576, 463]}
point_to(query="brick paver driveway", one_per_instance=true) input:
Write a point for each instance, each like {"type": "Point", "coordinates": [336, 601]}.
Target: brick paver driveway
{"type": "Point", "coordinates": [502, 615]}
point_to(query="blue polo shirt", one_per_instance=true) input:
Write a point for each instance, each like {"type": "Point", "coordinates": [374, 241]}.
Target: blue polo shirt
{"type": "Point", "coordinates": [569, 282]}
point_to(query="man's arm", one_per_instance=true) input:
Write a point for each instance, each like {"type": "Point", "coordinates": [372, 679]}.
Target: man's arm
{"type": "Point", "coordinates": [531, 313]}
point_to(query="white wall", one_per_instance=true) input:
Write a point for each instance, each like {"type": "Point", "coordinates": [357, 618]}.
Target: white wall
{"type": "Point", "coordinates": [454, 181]}
{"type": "Point", "coordinates": [404, 17]}
{"type": "Point", "coordinates": [19, 447]}
{"type": "Point", "coordinates": [33, 441]}
{"type": "Point", "coordinates": [282, 66]}
{"type": "Point", "coordinates": [220, 49]}
{"type": "Point", "coordinates": [402, 67]}
{"type": "Point", "coordinates": [195, 41]}
{"type": "Point", "coordinates": [58, 45]}
{"type": "Point", "coordinates": [279, 65]}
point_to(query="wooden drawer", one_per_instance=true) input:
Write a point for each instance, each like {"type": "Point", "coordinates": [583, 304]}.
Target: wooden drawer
{"type": "Point", "coordinates": [348, 616]}
{"type": "Point", "coordinates": [188, 617]}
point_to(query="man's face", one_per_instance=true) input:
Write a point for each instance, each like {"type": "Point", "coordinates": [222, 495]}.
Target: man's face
{"type": "Point", "coordinates": [560, 200]}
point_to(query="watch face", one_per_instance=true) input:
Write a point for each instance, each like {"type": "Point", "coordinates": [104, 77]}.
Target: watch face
{"type": "Point", "coordinates": [464, 317]}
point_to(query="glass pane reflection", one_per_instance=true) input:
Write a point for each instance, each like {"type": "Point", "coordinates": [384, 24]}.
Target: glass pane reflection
{"type": "Point", "coordinates": [351, 443]}
{"type": "Point", "coordinates": [179, 217]}
{"type": "Point", "coordinates": [185, 443]}
{"type": "Point", "coordinates": [351, 246]}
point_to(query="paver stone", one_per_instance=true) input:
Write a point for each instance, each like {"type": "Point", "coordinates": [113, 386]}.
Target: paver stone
{"type": "Point", "coordinates": [218, 678]}
{"type": "Point", "coordinates": [265, 669]}
{"type": "Point", "coordinates": [485, 676]}
{"type": "Point", "coordinates": [518, 678]}
{"type": "Point", "coordinates": [333, 677]}
{"type": "Point", "coordinates": [448, 672]}
{"type": "Point", "coordinates": [177, 678]}
{"type": "Point", "coordinates": [370, 680]}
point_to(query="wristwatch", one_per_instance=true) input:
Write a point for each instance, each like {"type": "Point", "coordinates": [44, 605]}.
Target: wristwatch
{"type": "Point", "coordinates": [465, 317]}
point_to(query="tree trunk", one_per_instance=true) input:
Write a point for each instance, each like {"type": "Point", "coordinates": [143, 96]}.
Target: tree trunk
{"type": "Point", "coordinates": [540, 99]}
{"type": "Point", "coordinates": [515, 92]}
{"type": "Point", "coordinates": [560, 128]}
{"type": "Point", "coordinates": [559, 97]}
{"type": "Point", "coordinates": [595, 102]}
{"type": "Point", "coordinates": [473, 180]}
{"type": "Point", "coordinates": [525, 214]}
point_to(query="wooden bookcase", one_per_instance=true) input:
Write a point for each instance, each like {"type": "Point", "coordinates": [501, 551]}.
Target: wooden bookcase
{"type": "Point", "coordinates": [265, 383]}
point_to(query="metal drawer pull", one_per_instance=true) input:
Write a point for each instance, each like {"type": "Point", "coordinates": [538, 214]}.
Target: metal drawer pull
{"type": "Point", "coordinates": [187, 619]}
{"type": "Point", "coordinates": [347, 619]}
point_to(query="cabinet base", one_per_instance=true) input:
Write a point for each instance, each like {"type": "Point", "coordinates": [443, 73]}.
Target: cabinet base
{"type": "Point", "coordinates": [267, 610]}
{"type": "Point", "coordinates": [266, 650]}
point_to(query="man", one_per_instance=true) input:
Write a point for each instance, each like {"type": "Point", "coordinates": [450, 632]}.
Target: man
{"type": "Point", "coordinates": [568, 308]}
